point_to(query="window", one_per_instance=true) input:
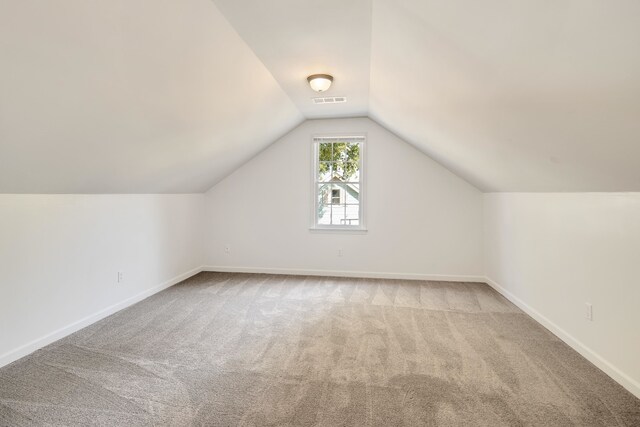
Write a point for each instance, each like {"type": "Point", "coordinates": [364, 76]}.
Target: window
{"type": "Point", "coordinates": [337, 182]}
{"type": "Point", "coordinates": [335, 196]}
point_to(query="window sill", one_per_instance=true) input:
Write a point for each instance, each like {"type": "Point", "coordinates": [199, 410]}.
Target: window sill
{"type": "Point", "coordinates": [337, 230]}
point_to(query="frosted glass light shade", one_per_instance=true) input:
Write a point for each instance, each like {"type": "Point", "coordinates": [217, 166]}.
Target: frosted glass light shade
{"type": "Point", "coordinates": [320, 82]}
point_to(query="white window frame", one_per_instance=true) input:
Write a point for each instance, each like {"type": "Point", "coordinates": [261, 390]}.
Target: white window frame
{"type": "Point", "coordinates": [315, 145]}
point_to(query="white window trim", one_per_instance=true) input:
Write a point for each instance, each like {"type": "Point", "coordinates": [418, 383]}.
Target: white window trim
{"type": "Point", "coordinates": [347, 229]}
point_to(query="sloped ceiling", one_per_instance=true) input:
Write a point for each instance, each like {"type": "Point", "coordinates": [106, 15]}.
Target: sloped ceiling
{"type": "Point", "coordinates": [171, 96]}
{"type": "Point", "coordinates": [295, 39]}
{"type": "Point", "coordinates": [524, 95]}
{"type": "Point", "coordinates": [121, 96]}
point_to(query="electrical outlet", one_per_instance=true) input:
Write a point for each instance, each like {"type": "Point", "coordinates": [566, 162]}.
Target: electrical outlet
{"type": "Point", "coordinates": [340, 252]}
{"type": "Point", "coordinates": [120, 276]}
{"type": "Point", "coordinates": [227, 249]}
{"type": "Point", "coordinates": [588, 311]}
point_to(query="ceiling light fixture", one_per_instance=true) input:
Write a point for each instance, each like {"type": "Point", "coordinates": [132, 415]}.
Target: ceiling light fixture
{"type": "Point", "coordinates": [320, 82]}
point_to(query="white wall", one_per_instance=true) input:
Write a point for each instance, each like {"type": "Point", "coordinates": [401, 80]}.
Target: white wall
{"type": "Point", "coordinates": [553, 252]}
{"type": "Point", "coordinates": [422, 220]}
{"type": "Point", "coordinates": [60, 254]}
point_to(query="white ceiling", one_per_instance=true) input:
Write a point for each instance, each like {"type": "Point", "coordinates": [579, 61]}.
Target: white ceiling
{"type": "Point", "coordinates": [295, 39]}
{"type": "Point", "coordinates": [166, 96]}
{"type": "Point", "coordinates": [514, 95]}
{"type": "Point", "coordinates": [125, 96]}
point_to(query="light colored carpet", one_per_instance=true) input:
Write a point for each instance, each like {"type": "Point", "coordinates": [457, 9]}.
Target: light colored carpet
{"type": "Point", "coordinates": [239, 349]}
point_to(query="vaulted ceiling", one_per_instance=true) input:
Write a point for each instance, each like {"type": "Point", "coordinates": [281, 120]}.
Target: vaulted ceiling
{"type": "Point", "coordinates": [171, 96]}
{"type": "Point", "coordinates": [122, 96]}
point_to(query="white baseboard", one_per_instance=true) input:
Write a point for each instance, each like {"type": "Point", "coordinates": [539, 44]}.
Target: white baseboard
{"type": "Point", "coordinates": [37, 344]}
{"type": "Point", "coordinates": [593, 357]}
{"type": "Point", "coordinates": [615, 373]}
{"type": "Point", "coordinates": [344, 273]}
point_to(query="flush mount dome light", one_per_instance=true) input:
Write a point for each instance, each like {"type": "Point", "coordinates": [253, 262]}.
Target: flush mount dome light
{"type": "Point", "coordinates": [320, 82]}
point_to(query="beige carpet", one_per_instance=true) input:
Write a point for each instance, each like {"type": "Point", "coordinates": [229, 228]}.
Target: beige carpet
{"type": "Point", "coordinates": [260, 350]}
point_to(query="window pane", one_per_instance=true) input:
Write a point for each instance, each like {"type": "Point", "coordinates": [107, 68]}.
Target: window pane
{"type": "Point", "coordinates": [339, 151]}
{"type": "Point", "coordinates": [352, 152]}
{"type": "Point", "coordinates": [337, 215]}
{"type": "Point", "coordinates": [352, 216]}
{"type": "Point", "coordinates": [325, 152]}
{"type": "Point", "coordinates": [324, 171]}
{"type": "Point", "coordinates": [346, 171]}
{"type": "Point", "coordinates": [352, 194]}
{"type": "Point", "coordinates": [324, 207]}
